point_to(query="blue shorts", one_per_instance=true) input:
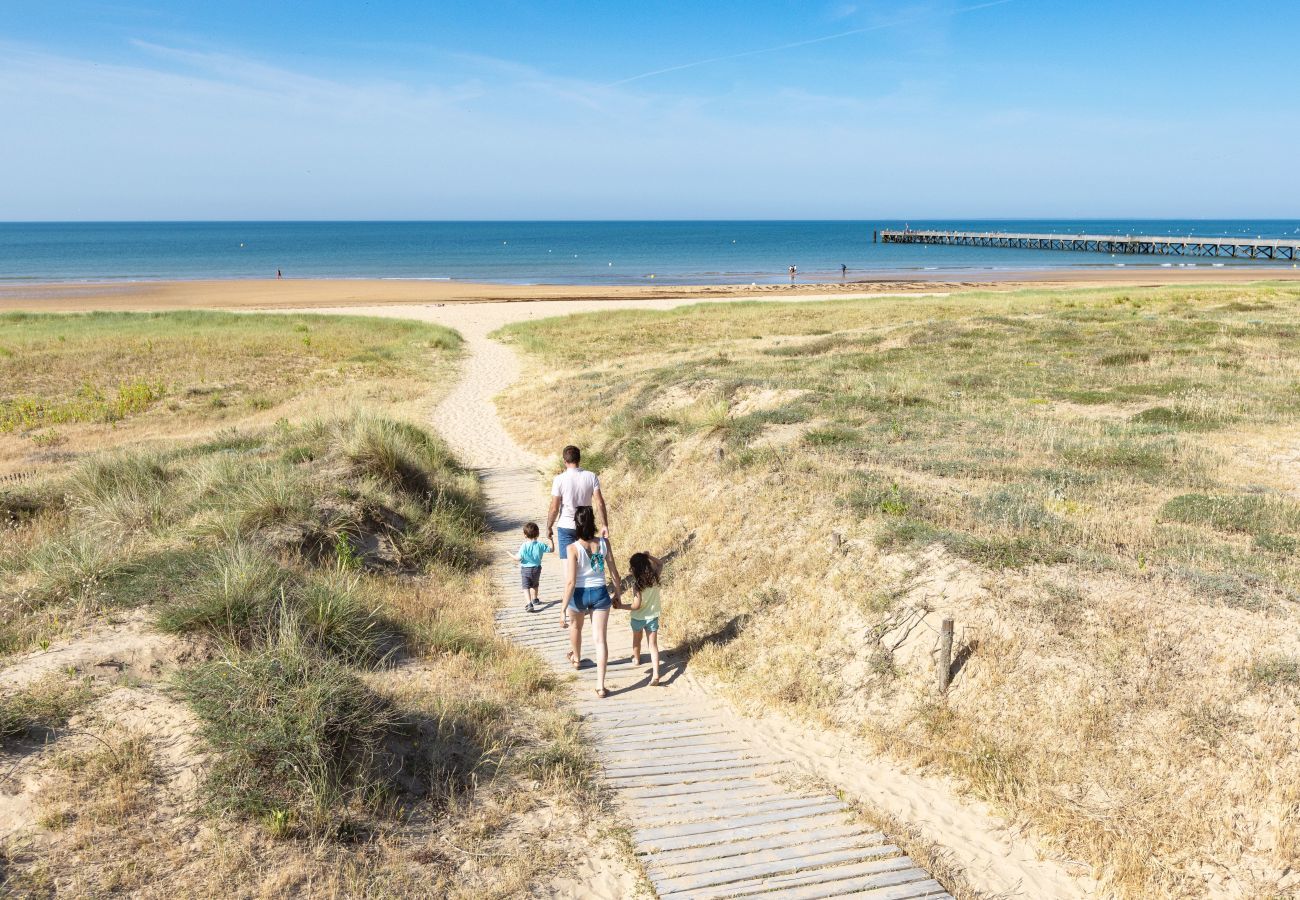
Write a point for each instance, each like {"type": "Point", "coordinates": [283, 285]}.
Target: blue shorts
{"type": "Point", "coordinates": [590, 599]}
{"type": "Point", "coordinates": [647, 625]}
{"type": "Point", "coordinates": [565, 537]}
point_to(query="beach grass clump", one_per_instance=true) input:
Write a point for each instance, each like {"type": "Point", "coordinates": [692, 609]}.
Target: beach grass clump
{"type": "Point", "coordinates": [1091, 482]}
{"type": "Point", "coordinates": [297, 734]}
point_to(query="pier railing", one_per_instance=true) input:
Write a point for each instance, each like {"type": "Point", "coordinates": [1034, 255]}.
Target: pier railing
{"type": "Point", "coordinates": [1258, 248]}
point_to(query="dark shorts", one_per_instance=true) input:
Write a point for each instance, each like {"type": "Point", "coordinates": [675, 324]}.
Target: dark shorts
{"type": "Point", "coordinates": [590, 599]}
{"type": "Point", "coordinates": [530, 576]}
{"type": "Point", "coordinates": [565, 537]}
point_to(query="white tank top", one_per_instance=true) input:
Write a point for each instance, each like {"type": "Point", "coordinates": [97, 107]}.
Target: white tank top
{"type": "Point", "coordinates": [591, 566]}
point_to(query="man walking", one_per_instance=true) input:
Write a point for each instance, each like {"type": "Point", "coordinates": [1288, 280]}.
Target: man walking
{"type": "Point", "coordinates": [573, 488]}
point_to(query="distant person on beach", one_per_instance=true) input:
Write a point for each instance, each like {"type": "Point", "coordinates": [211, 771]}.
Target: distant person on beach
{"type": "Point", "coordinates": [844, 270]}
{"type": "Point", "coordinates": [646, 570]}
{"type": "Point", "coordinates": [529, 557]}
{"type": "Point", "coordinates": [589, 564]}
{"type": "Point", "coordinates": [793, 271]}
{"type": "Point", "coordinates": [277, 274]}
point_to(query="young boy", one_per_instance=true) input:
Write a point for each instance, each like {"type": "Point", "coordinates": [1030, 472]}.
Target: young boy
{"type": "Point", "coordinates": [529, 558]}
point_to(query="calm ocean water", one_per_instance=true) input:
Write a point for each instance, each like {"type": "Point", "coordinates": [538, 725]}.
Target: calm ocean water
{"type": "Point", "coordinates": [554, 252]}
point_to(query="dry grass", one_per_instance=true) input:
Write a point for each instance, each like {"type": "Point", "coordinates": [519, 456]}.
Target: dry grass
{"type": "Point", "coordinates": [71, 383]}
{"type": "Point", "coordinates": [1100, 486]}
{"type": "Point", "coordinates": [364, 731]}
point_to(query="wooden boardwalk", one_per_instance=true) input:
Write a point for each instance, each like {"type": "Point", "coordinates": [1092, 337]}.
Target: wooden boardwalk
{"type": "Point", "coordinates": [711, 817]}
{"type": "Point", "coordinates": [1148, 245]}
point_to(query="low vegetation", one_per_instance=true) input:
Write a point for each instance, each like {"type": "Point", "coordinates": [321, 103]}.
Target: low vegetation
{"type": "Point", "coordinates": [103, 380]}
{"type": "Point", "coordinates": [349, 721]}
{"type": "Point", "coordinates": [1100, 486]}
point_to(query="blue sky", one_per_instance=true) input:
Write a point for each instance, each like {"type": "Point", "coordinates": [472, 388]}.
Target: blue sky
{"type": "Point", "coordinates": [428, 110]}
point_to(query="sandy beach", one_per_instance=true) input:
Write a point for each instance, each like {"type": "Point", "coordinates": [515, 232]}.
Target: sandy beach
{"type": "Point", "coordinates": [292, 293]}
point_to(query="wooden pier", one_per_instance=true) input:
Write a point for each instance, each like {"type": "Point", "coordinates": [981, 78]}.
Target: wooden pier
{"type": "Point", "coordinates": [1149, 245]}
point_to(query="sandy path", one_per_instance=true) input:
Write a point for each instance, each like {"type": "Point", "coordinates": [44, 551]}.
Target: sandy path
{"type": "Point", "coordinates": [996, 858]}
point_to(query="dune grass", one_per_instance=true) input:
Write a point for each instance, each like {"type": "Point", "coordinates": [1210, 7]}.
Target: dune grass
{"type": "Point", "coordinates": [323, 576]}
{"type": "Point", "coordinates": [1099, 485]}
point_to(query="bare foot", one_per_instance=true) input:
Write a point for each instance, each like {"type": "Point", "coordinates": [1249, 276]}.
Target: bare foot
{"type": "Point", "coordinates": [654, 682]}
{"type": "Point", "coordinates": [602, 693]}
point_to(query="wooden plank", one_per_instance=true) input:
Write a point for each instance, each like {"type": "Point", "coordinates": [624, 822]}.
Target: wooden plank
{"type": "Point", "coordinates": [653, 807]}
{"type": "Point", "coordinates": [772, 849]}
{"type": "Point", "coordinates": [758, 873]}
{"type": "Point", "coordinates": [672, 790]}
{"type": "Point", "coordinates": [683, 767]}
{"type": "Point", "coordinates": [900, 885]}
{"type": "Point", "coordinates": [789, 842]}
{"type": "Point", "coordinates": [728, 832]}
{"type": "Point", "coordinates": [727, 810]}
{"type": "Point", "coordinates": [651, 835]}
{"type": "Point", "coordinates": [738, 770]}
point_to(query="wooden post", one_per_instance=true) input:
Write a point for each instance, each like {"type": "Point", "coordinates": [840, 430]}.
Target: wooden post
{"type": "Point", "coordinates": [945, 655]}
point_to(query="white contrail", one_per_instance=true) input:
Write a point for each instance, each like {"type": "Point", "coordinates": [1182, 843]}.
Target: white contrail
{"type": "Point", "coordinates": [791, 46]}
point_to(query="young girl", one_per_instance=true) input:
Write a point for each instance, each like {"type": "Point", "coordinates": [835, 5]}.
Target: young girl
{"type": "Point", "coordinates": [586, 592]}
{"type": "Point", "coordinates": [645, 608]}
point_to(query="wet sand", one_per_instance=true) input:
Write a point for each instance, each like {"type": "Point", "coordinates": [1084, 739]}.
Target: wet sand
{"type": "Point", "coordinates": [292, 293]}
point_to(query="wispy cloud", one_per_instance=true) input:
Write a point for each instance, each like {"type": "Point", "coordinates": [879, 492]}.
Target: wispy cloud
{"type": "Point", "coordinates": [896, 23]}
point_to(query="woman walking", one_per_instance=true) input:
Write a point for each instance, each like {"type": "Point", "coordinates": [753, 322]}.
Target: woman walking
{"type": "Point", "coordinates": [586, 593]}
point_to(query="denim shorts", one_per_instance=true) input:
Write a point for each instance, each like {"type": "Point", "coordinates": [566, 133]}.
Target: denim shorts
{"type": "Point", "coordinates": [530, 576]}
{"type": "Point", "coordinates": [646, 625]}
{"type": "Point", "coordinates": [590, 599]}
{"type": "Point", "coordinates": [565, 537]}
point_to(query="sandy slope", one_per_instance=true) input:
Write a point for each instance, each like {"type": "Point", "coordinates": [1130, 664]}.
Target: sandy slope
{"type": "Point", "coordinates": [997, 858]}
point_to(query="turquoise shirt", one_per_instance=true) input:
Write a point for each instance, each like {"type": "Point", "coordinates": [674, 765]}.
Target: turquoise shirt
{"type": "Point", "coordinates": [531, 552]}
{"type": "Point", "coordinates": [649, 605]}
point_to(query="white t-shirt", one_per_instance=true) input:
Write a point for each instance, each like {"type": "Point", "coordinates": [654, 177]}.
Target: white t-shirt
{"type": "Point", "coordinates": [574, 487]}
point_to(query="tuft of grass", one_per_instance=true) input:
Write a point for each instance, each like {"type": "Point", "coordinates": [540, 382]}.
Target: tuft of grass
{"type": "Point", "coordinates": [1142, 460]}
{"type": "Point", "coordinates": [1125, 358]}
{"type": "Point", "coordinates": [44, 706]}
{"type": "Point", "coordinates": [1275, 671]}
{"type": "Point", "coordinates": [1255, 514]}
{"type": "Point", "coordinates": [832, 436]}
{"type": "Point", "coordinates": [298, 736]}
{"type": "Point", "coordinates": [1175, 417]}
{"type": "Point", "coordinates": [125, 491]}
{"type": "Point", "coordinates": [234, 593]}
{"type": "Point", "coordinates": [396, 452]}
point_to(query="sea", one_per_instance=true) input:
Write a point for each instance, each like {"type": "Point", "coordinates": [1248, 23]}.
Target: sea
{"type": "Point", "coordinates": [580, 253]}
